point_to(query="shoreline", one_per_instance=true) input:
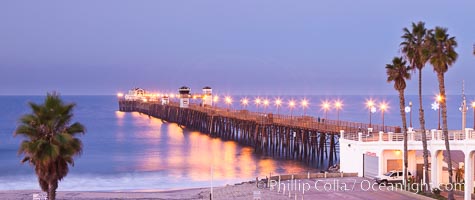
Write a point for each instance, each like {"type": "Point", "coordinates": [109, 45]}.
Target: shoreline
{"type": "Point", "coordinates": [189, 193]}
{"type": "Point", "coordinates": [355, 188]}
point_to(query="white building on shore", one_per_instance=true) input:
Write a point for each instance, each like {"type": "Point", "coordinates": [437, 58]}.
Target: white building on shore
{"type": "Point", "coordinates": [374, 154]}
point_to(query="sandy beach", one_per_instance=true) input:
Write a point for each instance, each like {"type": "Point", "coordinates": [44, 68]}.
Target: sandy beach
{"type": "Point", "coordinates": [80, 195]}
{"type": "Point", "coordinates": [241, 191]}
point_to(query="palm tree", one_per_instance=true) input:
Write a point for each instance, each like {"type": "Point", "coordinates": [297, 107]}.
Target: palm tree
{"type": "Point", "coordinates": [398, 72]}
{"type": "Point", "coordinates": [51, 142]}
{"type": "Point", "coordinates": [442, 56]}
{"type": "Point", "coordinates": [416, 52]}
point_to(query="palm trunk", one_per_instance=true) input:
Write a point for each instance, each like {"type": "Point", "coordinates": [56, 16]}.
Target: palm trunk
{"type": "Point", "coordinates": [52, 186]}
{"type": "Point", "coordinates": [402, 104]}
{"type": "Point", "coordinates": [425, 152]}
{"type": "Point", "coordinates": [443, 105]}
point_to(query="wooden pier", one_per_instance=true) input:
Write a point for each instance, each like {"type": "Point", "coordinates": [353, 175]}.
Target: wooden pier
{"type": "Point", "coordinates": [302, 138]}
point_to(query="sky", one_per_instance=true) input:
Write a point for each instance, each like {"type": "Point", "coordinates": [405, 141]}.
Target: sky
{"type": "Point", "coordinates": [263, 47]}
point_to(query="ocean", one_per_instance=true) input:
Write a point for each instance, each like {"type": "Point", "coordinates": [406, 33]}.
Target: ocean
{"type": "Point", "coordinates": [132, 152]}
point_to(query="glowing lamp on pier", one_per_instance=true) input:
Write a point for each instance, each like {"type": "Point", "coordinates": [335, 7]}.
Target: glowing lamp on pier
{"type": "Point", "coordinates": [244, 102]}
{"type": "Point", "coordinates": [370, 105]}
{"type": "Point", "coordinates": [291, 106]}
{"type": "Point", "coordinates": [278, 103]}
{"type": "Point", "coordinates": [228, 101]}
{"type": "Point", "coordinates": [257, 101]}
{"type": "Point", "coordinates": [265, 103]}
{"type": "Point", "coordinates": [338, 107]}
{"type": "Point", "coordinates": [325, 106]}
{"type": "Point", "coordinates": [304, 104]}
{"type": "Point", "coordinates": [120, 95]}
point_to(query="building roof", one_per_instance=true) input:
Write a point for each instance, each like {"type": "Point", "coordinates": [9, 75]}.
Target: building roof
{"type": "Point", "coordinates": [184, 88]}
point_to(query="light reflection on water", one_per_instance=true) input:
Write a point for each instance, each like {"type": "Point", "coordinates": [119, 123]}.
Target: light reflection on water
{"type": "Point", "coordinates": [189, 154]}
{"type": "Point", "coordinates": [130, 151]}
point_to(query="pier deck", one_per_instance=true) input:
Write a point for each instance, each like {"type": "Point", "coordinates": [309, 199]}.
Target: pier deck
{"type": "Point", "coordinates": [302, 138]}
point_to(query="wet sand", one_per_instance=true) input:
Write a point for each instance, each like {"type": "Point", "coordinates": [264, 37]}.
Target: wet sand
{"type": "Point", "coordinates": [243, 191]}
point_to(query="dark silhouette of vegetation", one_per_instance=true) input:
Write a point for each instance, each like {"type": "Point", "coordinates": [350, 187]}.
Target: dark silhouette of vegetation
{"type": "Point", "coordinates": [50, 143]}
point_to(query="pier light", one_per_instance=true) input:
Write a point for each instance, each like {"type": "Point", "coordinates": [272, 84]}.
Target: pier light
{"type": "Point", "coordinates": [278, 103]}
{"type": "Point", "coordinates": [258, 102]}
{"type": "Point", "coordinates": [370, 105]}
{"type": "Point", "coordinates": [326, 106]}
{"type": "Point", "coordinates": [228, 101]}
{"type": "Point", "coordinates": [383, 107]}
{"type": "Point", "coordinates": [120, 95]}
{"type": "Point", "coordinates": [291, 106]}
{"type": "Point", "coordinates": [338, 104]}
{"type": "Point", "coordinates": [338, 107]}
{"type": "Point", "coordinates": [265, 102]}
{"type": "Point", "coordinates": [244, 101]}
{"type": "Point", "coordinates": [304, 104]}
{"type": "Point", "coordinates": [291, 103]}
{"type": "Point", "coordinates": [473, 106]}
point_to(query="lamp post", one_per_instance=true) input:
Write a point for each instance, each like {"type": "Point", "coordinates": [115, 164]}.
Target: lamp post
{"type": "Point", "coordinates": [244, 102]}
{"type": "Point", "coordinates": [439, 99]}
{"type": "Point", "coordinates": [370, 106]}
{"type": "Point", "coordinates": [228, 101]}
{"type": "Point", "coordinates": [383, 106]}
{"type": "Point", "coordinates": [407, 109]}
{"type": "Point", "coordinates": [266, 103]}
{"type": "Point", "coordinates": [410, 114]}
{"type": "Point", "coordinates": [304, 104]}
{"type": "Point", "coordinates": [278, 103]}
{"type": "Point", "coordinates": [257, 101]}
{"type": "Point", "coordinates": [435, 106]}
{"type": "Point", "coordinates": [326, 107]}
{"type": "Point", "coordinates": [291, 106]}
{"type": "Point", "coordinates": [338, 106]}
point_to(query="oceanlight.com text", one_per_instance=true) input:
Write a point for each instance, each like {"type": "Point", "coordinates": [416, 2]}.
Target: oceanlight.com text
{"type": "Point", "coordinates": [337, 185]}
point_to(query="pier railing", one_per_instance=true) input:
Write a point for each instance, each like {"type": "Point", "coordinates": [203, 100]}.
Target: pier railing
{"type": "Point", "coordinates": [308, 122]}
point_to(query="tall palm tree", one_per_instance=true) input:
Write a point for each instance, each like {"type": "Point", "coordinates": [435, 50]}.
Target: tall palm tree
{"type": "Point", "coordinates": [416, 52]}
{"type": "Point", "coordinates": [50, 141]}
{"type": "Point", "coordinates": [398, 72]}
{"type": "Point", "coordinates": [443, 55]}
